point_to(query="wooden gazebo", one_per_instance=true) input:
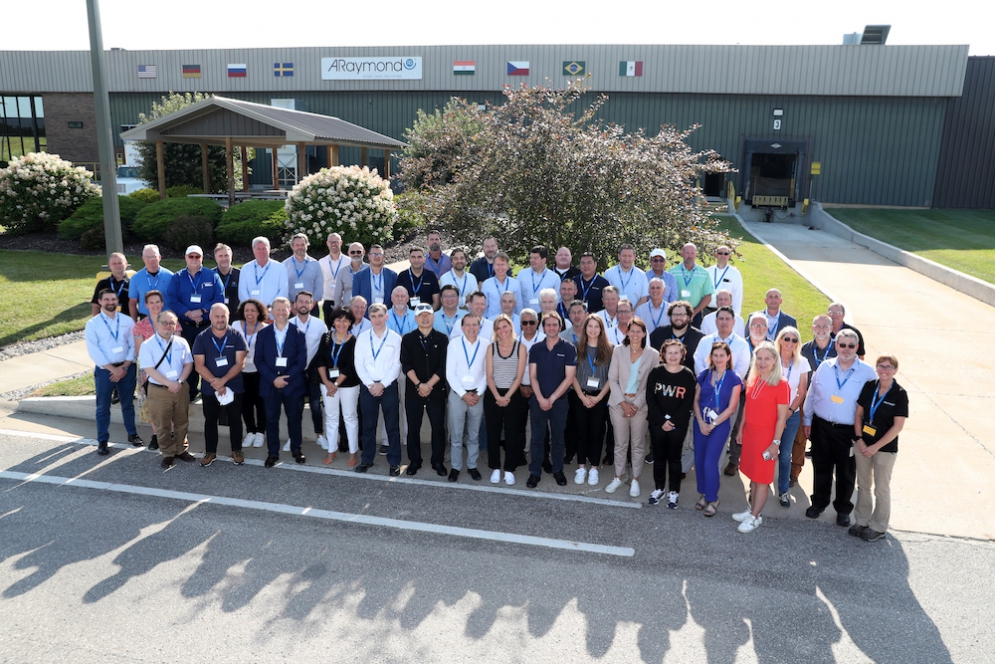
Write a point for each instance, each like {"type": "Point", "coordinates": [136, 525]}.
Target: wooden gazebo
{"type": "Point", "coordinates": [234, 123]}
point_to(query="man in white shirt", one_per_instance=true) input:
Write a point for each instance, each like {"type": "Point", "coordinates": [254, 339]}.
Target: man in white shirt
{"type": "Point", "coordinates": [358, 307]}
{"type": "Point", "coordinates": [478, 304]}
{"type": "Point", "coordinates": [336, 278]}
{"type": "Point", "coordinates": [378, 364]}
{"type": "Point", "coordinates": [723, 298]}
{"type": "Point", "coordinates": [262, 278]}
{"type": "Point", "coordinates": [167, 360]}
{"type": "Point", "coordinates": [499, 284]}
{"type": "Point", "coordinates": [725, 320]}
{"type": "Point", "coordinates": [459, 277]}
{"type": "Point", "coordinates": [654, 311]}
{"type": "Point", "coordinates": [728, 277]}
{"type": "Point", "coordinates": [465, 373]}
{"type": "Point", "coordinates": [616, 335]}
{"type": "Point", "coordinates": [533, 279]}
{"type": "Point", "coordinates": [627, 278]}
{"type": "Point", "coordinates": [610, 298]}
{"type": "Point", "coordinates": [313, 330]}
{"type": "Point", "coordinates": [303, 272]}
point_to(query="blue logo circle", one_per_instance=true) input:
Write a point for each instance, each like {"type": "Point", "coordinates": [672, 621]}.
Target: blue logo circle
{"type": "Point", "coordinates": [409, 63]}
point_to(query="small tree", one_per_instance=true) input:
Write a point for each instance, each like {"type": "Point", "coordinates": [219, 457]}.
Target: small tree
{"type": "Point", "coordinates": [182, 160]}
{"type": "Point", "coordinates": [436, 144]}
{"type": "Point", "coordinates": [537, 172]}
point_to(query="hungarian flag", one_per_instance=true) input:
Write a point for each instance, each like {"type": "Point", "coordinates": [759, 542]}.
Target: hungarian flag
{"type": "Point", "coordinates": [630, 68]}
{"type": "Point", "coordinates": [464, 67]}
{"type": "Point", "coordinates": [518, 68]}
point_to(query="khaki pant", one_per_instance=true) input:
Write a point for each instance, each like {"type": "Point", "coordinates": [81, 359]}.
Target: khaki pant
{"type": "Point", "coordinates": [874, 474]}
{"type": "Point", "coordinates": [629, 431]}
{"type": "Point", "coordinates": [170, 410]}
{"type": "Point", "coordinates": [798, 447]}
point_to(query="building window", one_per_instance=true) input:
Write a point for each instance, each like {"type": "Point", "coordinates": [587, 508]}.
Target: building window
{"type": "Point", "coordinates": [22, 126]}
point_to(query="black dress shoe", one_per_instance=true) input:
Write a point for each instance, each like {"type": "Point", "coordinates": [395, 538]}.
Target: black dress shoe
{"type": "Point", "coordinates": [185, 456]}
{"type": "Point", "coordinates": [135, 440]}
{"type": "Point", "coordinates": [843, 520]}
{"type": "Point", "coordinates": [453, 475]}
{"type": "Point", "coordinates": [532, 482]}
{"type": "Point", "coordinates": [413, 469]}
{"type": "Point", "coordinates": [102, 449]}
{"type": "Point", "coordinates": [474, 474]}
{"type": "Point", "coordinates": [440, 469]}
{"type": "Point", "coordinates": [649, 458]}
{"type": "Point", "coordinates": [271, 461]}
{"type": "Point", "coordinates": [154, 443]}
{"type": "Point", "coordinates": [560, 478]}
{"type": "Point", "coordinates": [395, 471]}
{"type": "Point", "coordinates": [547, 466]}
{"type": "Point", "coordinates": [299, 457]}
{"type": "Point", "coordinates": [813, 512]}
{"type": "Point", "coordinates": [568, 460]}
{"type": "Point", "coordinates": [115, 397]}
{"type": "Point", "coordinates": [363, 467]}
{"type": "Point", "coordinates": [167, 462]}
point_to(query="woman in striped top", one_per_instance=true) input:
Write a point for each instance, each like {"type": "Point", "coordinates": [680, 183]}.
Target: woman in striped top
{"type": "Point", "coordinates": [504, 405]}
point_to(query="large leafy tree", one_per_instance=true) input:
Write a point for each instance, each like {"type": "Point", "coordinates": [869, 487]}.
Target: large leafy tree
{"type": "Point", "coordinates": [540, 169]}
{"type": "Point", "coordinates": [182, 161]}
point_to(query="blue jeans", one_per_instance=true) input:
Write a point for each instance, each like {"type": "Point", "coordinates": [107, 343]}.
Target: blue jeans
{"type": "Point", "coordinates": [125, 390]}
{"type": "Point", "coordinates": [784, 454]}
{"type": "Point", "coordinates": [556, 418]}
{"type": "Point", "coordinates": [294, 405]}
{"type": "Point", "coordinates": [389, 403]}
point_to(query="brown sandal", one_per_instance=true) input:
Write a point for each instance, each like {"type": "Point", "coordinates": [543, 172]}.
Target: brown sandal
{"type": "Point", "coordinates": [352, 460]}
{"type": "Point", "coordinates": [700, 505]}
{"type": "Point", "coordinates": [711, 509]}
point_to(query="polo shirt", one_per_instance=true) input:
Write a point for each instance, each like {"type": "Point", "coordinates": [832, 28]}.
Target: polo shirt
{"type": "Point", "coordinates": [438, 267]}
{"type": "Point", "coordinates": [692, 285]}
{"type": "Point", "coordinates": [815, 356]}
{"type": "Point", "coordinates": [185, 291]}
{"type": "Point", "coordinates": [465, 284]}
{"type": "Point", "coordinates": [568, 273]}
{"type": "Point", "coordinates": [895, 403]}
{"type": "Point", "coordinates": [590, 291]}
{"type": "Point", "coordinates": [860, 338]}
{"type": "Point", "coordinates": [141, 283]}
{"type": "Point", "coordinates": [631, 284]}
{"type": "Point", "coordinates": [530, 284]}
{"type": "Point", "coordinates": [420, 288]}
{"type": "Point", "coordinates": [670, 292]}
{"type": "Point", "coordinates": [152, 351]}
{"type": "Point", "coordinates": [110, 342]}
{"type": "Point", "coordinates": [120, 289]}
{"type": "Point", "coordinates": [447, 324]}
{"type": "Point", "coordinates": [363, 325]}
{"type": "Point", "coordinates": [208, 345]}
{"type": "Point", "coordinates": [263, 283]}
{"type": "Point", "coordinates": [401, 324]}
{"type": "Point", "coordinates": [551, 364]}
{"type": "Point", "coordinates": [304, 276]}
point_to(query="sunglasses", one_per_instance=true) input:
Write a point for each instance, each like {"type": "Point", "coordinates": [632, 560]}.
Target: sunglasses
{"type": "Point", "coordinates": [657, 260]}
{"type": "Point", "coordinates": [846, 345]}
{"type": "Point", "coordinates": [529, 322]}
{"type": "Point", "coordinates": [790, 340]}
{"type": "Point", "coordinates": [357, 253]}
{"type": "Point", "coordinates": [722, 253]}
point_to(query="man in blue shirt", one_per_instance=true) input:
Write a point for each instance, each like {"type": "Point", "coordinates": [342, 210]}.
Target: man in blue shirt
{"type": "Point", "coordinates": [192, 293]}
{"type": "Point", "coordinates": [151, 277]}
{"type": "Point", "coordinates": [435, 260]}
{"type": "Point", "coordinates": [422, 285]}
{"type": "Point", "coordinates": [219, 357]}
{"type": "Point", "coordinates": [304, 273]}
{"type": "Point", "coordinates": [658, 270]}
{"type": "Point", "coordinates": [262, 278]}
{"type": "Point", "coordinates": [111, 346]}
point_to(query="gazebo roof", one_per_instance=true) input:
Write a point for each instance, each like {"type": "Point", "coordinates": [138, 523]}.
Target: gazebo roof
{"type": "Point", "coordinates": [216, 119]}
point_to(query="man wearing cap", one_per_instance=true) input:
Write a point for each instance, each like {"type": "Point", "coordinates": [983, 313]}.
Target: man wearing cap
{"type": "Point", "coordinates": [435, 260]}
{"type": "Point", "coordinates": [192, 293]}
{"type": "Point", "coordinates": [693, 282]}
{"type": "Point", "coordinates": [336, 278]}
{"type": "Point", "coordinates": [117, 282]}
{"type": "Point", "coordinates": [728, 277]}
{"type": "Point", "coordinates": [151, 277]}
{"type": "Point", "coordinates": [167, 361]}
{"type": "Point", "coordinates": [654, 311]}
{"type": "Point", "coordinates": [627, 278]}
{"type": "Point", "coordinates": [423, 362]}
{"type": "Point", "coordinates": [658, 270]}
{"type": "Point", "coordinates": [374, 282]}
{"type": "Point", "coordinates": [564, 267]}
{"type": "Point", "coordinates": [229, 276]}
{"type": "Point", "coordinates": [303, 273]}
{"type": "Point", "coordinates": [219, 357]}
{"type": "Point", "coordinates": [590, 284]}
{"type": "Point", "coordinates": [262, 278]}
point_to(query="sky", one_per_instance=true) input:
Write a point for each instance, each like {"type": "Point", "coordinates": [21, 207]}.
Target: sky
{"type": "Point", "coordinates": [216, 24]}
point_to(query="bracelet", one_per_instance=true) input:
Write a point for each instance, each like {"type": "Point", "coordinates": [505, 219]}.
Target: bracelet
{"type": "Point", "coordinates": [418, 386]}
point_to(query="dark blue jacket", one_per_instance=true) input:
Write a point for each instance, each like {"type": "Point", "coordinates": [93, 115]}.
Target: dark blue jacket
{"type": "Point", "coordinates": [361, 285]}
{"type": "Point", "coordinates": [295, 350]}
{"type": "Point", "coordinates": [182, 287]}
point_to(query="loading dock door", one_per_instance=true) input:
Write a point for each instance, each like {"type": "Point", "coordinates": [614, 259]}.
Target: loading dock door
{"type": "Point", "coordinates": [771, 173]}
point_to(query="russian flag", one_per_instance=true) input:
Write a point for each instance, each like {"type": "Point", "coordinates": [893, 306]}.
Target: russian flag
{"type": "Point", "coordinates": [518, 68]}
{"type": "Point", "coordinates": [237, 71]}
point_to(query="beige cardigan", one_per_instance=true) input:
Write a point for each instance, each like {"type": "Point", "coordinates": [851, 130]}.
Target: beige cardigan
{"type": "Point", "coordinates": [618, 375]}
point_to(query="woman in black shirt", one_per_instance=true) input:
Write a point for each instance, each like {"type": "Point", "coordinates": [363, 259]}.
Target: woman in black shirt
{"type": "Point", "coordinates": [336, 362]}
{"type": "Point", "coordinates": [670, 392]}
{"type": "Point", "coordinates": [882, 408]}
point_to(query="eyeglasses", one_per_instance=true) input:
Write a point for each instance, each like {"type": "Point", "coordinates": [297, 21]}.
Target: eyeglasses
{"type": "Point", "coordinates": [759, 326]}
{"type": "Point", "coordinates": [529, 322]}
{"type": "Point", "coordinates": [360, 253]}
{"type": "Point", "coordinates": [375, 255]}
{"type": "Point", "coordinates": [790, 340]}
{"type": "Point", "coordinates": [846, 345]}
{"type": "Point", "coordinates": [885, 367]}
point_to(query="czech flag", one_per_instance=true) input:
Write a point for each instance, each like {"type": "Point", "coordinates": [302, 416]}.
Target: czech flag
{"type": "Point", "coordinates": [519, 68]}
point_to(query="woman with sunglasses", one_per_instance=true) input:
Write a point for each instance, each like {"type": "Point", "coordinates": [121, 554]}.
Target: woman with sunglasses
{"type": "Point", "coordinates": [794, 369]}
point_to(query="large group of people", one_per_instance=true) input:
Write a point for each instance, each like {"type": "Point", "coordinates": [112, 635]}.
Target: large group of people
{"type": "Point", "coordinates": [543, 369]}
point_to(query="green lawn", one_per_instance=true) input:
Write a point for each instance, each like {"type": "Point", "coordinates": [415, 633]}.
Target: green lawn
{"type": "Point", "coordinates": [762, 270]}
{"type": "Point", "coordinates": [80, 386]}
{"type": "Point", "coordinates": [43, 295]}
{"type": "Point", "coordinates": [963, 240]}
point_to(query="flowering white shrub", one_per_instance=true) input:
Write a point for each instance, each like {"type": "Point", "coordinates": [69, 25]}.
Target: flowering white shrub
{"type": "Point", "coordinates": [352, 201]}
{"type": "Point", "coordinates": [39, 190]}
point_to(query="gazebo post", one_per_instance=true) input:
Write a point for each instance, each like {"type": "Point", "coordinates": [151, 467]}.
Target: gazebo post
{"type": "Point", "coordinates": [230, 166]}
{"type": "Point", "coordinates": [333, 155]}
{"type": "Point", "coordinates": [276, 169]}
{"type": "Point", "coordinates": [245, 169]}
{"type": "Point", "coordinates": [386, 165]}
{"type": "Point", "coordinates": [301, 161]}
{"type": "Point", "coordinates": [205, 170]}
{"type": "Point", "coordinates": [362, 157]}
{"type": "Point", "coordinates": [160, 163]}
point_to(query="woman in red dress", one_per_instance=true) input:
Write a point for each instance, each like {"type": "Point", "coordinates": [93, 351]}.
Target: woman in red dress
{"type": "Point", "coordinates": [766, 410]}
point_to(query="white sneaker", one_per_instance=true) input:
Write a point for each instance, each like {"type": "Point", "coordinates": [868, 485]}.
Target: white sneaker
{"type": "Point", "coordinates": [656, 497]}
{"type": "Point", "coordinates": [742, 516]}
{"type": "Point", "coordinates": [509, 478]}
{"type": "Point", "coordinates": [580, 475]}
{"type": "Point", "coordinates": [751, 524]}
{"type": "Point", "coordinates": [634, 489]}
{"type": "Point", "coordinates": [322, 442]}
{"type": "Point", "coordinates": [249, 439]}
{"type": "Point", "coordinates": [593, 477]}
{"type": "Point", "coordinates": [260, 440]}
{"type": "Point", "coordinates": [613, 486]}
{"type": "Point", "coordinates": [672, 500]}
{"type": "Point", "coordinates": [495, 476]}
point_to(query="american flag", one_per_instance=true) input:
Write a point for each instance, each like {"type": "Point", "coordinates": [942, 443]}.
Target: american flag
{"type": "Point", "coordinates": [146, 71]}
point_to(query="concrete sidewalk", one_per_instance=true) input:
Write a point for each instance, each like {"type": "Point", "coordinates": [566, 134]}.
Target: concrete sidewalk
{"type": "Point", "coordinates": [21, 372]}
{"type": "Point", "coordinates": [944, 480]}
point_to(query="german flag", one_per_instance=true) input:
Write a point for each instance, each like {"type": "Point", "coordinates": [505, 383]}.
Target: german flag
{"type": "Point", "coordinates": [191, 71]}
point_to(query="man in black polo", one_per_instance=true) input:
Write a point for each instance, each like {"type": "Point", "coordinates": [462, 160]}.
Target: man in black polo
{"type": "Point", "coordinates": [219, 357]}
{"type": "Point", "coordinates": [590, 283]}
{"type": "Point", "coordinates": [117, 283]}
{"type": "Point", "coordinates": [552, 366]}
{"type": "Point", "coordinates": [423, 361]}
{"type": "Point", "coordinates": [422, 285]}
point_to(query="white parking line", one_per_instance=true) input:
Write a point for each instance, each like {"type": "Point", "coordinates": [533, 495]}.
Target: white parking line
{"type": "Point", "coordinates": [530, 493]}
{"type": "Point", "coordinates": [416, 526]}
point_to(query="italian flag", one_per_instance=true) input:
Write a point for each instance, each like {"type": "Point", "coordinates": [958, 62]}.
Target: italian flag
{"type": "Point", "coordinates": [630, 68]}
{"type": "Point", "coordinates": [464, 67]}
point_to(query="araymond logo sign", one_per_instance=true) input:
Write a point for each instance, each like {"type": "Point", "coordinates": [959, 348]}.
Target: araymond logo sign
{"type": "Point", "coordinates": [365, 69]}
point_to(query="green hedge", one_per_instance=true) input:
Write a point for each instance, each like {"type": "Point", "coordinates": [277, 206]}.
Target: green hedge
{"type": "Point", "coordinates": [152, 222]}
{"type": "Point", "coordinates": [147, 196]}
{"type": "Point", "coordinates": [182, 191]}
{"type": "Point", "coordinates": [185, 231]}
{"type": "Point", "coordinates": [250, 219]}
{"type": "Point", "coordinates": [90, 215]}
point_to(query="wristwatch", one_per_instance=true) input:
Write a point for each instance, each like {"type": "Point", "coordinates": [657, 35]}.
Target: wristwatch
{"type": "Point", "coordinates": [777, 441]}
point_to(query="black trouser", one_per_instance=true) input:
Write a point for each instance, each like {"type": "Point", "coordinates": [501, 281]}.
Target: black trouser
{"type": "Point", "coordinates": [610, 443]}
{"type": "Point", "coordinates": [832, 449]}
{"type": "Point", "coordinates": [317, 413]}
{"type": "Point", "coordinates": [590, 428]}
{"type": "Point", "coordinates": [510, 418]}
{"type": "Point", "coordinates": [327, 307]}
{"type": "Point", "coordinates": [212, 411]}
{"type": "Point", "coordinates": [667, 447]}
{"type": "Point", "coordinates": [415, 407]}
{"type": "Point", "coordinates": [570, 436]}
{"type": "Point", "coordinates": [189, 334]}
{"type": "Point", "coordinates": [253, 410]}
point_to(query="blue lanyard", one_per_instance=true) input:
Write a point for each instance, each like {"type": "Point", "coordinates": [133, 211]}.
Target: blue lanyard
{"type": "Point", "coordinates": [120, 287]}
{"type": "Point", "coordinates": [224, 342]}
{"type": "Point", "coordinates": [590, 362]}
{"type": "Point", "coordinates": [625, 284]}
{"type": "Point", "coordinates": [436, 263]}
{"type": "Point", "coordinates": [412, 278]}
{"type": "Point", "coordinates": [815, 352]}
{"type": "Point", "coordinates": [376, 353]}
{"type": "Point", "coordinates": [790, 367]}
{"type": "Point", "coordinates": [449, 326]}
{"type": "Point", "coordinates": [403, 328]}
{"type": "Point", "coordinates": [469, 362]}
{"type": "Point", "coordinates": [169, 355]}
{"type": "Point", "coordinates": [338, 266]}
{"type": "Point", "coordinates": [306, 327]}
{"type": "Point", "coordinates": [718, 388]}
{"type": "Point", "coordinates": [836, 369]}
{"type": "Point", "coordinates": [490, 268]}
{"type": "Point", "coordinates": [877, 402]}
{"type": "Point", "coordinates": [255, 271]}
{"type": "Point", "coordinates": [687, 277]}
{"type": "Point", "coordinates": [228, 278]}
{"type": "Point", "coordinates": [280, 344]}
{"type": "Point", "coordinates": [772, 331]}
{"type": "Point", "coordinates": [148, 278]}
{"type": "Point", "coordinates": [563, 311]}
{"type": "Point", "coordinates": [373, 281]}
{"type": "Point", "coordinates": [194, 284]}
{"type": "Point", "coordinates": [461, 289]}
{"type": "Point", "coordinates": [249, 337]}
{"type": "Point", "coordinates": [336, 351]}
{"type": "Point", "coordinates": [535, 287]}
{"type": "Point", "coordinates": [117, 326]}
{"type": "Point", "coordinates": [507, 283]}
{"type": "Point", "coordinates": [300, 271]}
{"type": "Point", "coordinates": [723, 276]}
{"type": "Point", "coordinates": [656, 321]}
{"type": "Point", "coordinates": [586, 290]}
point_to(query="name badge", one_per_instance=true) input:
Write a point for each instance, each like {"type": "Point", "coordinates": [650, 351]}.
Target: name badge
{"type": "Point", "coordinates": [172, 373]}
{"type": "Point", "coordinates": [281, 361]}
{"type": "Point", "coordinates": [534, 300]}
{"type": "Point", "coordinates": [378, 300]}
{"type": "Point", "coordinates": [221, 362]}
{"type": "Point", "coordinates": [227, 301]}
{"type": "Point", "coordinates": [415, 301]}
{"type": "Point", "coordinates": [299, 285]}
{"type": "Point", "coordinates": [685, 293]}
{"type": "Point", "coordinates": [468, 381]}
{"type": "Point", "coordinates": [593, 383]}
{"type": "Point", "coordinates": [255, 292]}
{"type": "Point", "coordinates": [836, 398]}
{"type": "Point", "coordinates": [869, 430]}
{"type": "Point", "coordinates": [250, 366]}
{"type": "Point", "coordinates": [333, 374]}
{"type": "Point", "coordinates": [118, 349]}
{"type": "Point", "coordinates": [195, 299]}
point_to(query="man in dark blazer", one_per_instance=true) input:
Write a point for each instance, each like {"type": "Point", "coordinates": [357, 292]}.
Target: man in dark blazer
{"type": "Point", "coordinates": [375, 282]}
{"type": "Point", "coordinates": [776, 319]}
{"type": "Point", "coordinates": [281, 359]}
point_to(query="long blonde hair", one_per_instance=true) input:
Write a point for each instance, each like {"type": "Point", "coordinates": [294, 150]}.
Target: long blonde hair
{"type": "Point", "coordinates": [775, 373]}
{"type": "Point", "coordinates": [798, 346]}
